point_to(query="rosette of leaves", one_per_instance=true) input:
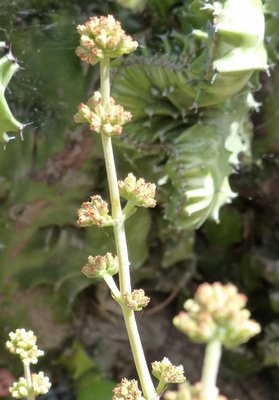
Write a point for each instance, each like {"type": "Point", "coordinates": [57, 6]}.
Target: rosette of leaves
{"type": "Point", "coordinates": [193, 101]}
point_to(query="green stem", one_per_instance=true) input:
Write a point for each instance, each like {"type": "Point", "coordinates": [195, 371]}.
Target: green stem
{"type": "Point", "coordinates": [121, 247]}
{"type": "Point", "coordinates": [161, 387]}
{"type": "Point", "coordinates": [27, 374]}
{"type": "Point", "coordinates": [129, 209]}
{"type": "Point", "coordinates": [114, 289]}
{"type": "Point", "coordinates": [210, 370]}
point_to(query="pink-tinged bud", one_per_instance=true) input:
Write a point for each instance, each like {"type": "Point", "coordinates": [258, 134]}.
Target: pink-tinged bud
{"type": "Point", "coordinates": [217, 312]}
{"type": "Point", "coordinates": [127, 390]}
{"type": "Point", "coordinates": [137, 191]}
{"type": "Point", "coordinates": [106, 119]}
{"type": "Point", "coordinates": [94, 212]}
{"type": "Point", "coordinates": [166, 372]}
{"type": "Point", "coordinates": [103, 37]}
{"type": "Point", "coordinates": [83, 114]}
{"type": "Point", "coordinates": [99, 266]}
{"type": "Point", "coordinates": [136, 300]}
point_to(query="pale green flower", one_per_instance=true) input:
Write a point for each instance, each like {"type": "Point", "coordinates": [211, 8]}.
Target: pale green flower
{"type": "Point", "coordinates": [167, 372]}
{"type": "Point", "coordinates": [100, 266]}
{"type": "Point", "coordinates": [127, 390]}
{"type": "Point", "coordinates": [23, 343]}
{"type": "Point", "coordinates": [102, 37]}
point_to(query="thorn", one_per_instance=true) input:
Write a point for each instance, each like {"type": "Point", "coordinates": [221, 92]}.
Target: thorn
{"type": "Point", "coordinates": [23, 127]}
{"type": "Point", "coordinates": [215, 73]}
{"type": "Point", "coordinates": [267, 70]}
{"type": "Point", "coordinates": [11, 57]}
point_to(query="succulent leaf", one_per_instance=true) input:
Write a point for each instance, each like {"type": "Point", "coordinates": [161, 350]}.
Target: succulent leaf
{"type": "Point", "coordinates": [8, 123]}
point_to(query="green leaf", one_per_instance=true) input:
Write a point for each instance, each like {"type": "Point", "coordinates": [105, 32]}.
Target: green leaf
{"type": "Point", "coordinates": [228, 231]}
{"type": "Point", "coordinates": [137, 230]}
{"type": "Point", "coordinates": [92, 388]}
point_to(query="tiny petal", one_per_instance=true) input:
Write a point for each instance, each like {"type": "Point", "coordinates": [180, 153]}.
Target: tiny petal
{"type": "Point", "coordinates": [127, 390]}
{"type": "Point", "coordinates": [138, 191]}
{"type": "Point", "coordinates": [167, 372]}
{"type": "Point", "coordinates": [94, 212]}
{"type": "Point", "coordinates": [23, 343]}
{"type": "Point", "coordinates": [107, 119]}
{"type": "Point", "coordinates": [102, 37]}
{"type": "Point", "coordinates": [19, 389]}
{"type": "Point", "coordinates": [136, 300]}
{"type": "Point", "coordinates": [40, 383]}
{"type": "Point", "coordinates": [100, 266]}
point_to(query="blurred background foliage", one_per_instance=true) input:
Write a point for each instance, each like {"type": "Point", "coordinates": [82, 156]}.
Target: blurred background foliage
{"type": "Point", "coordinates": [45, 178]}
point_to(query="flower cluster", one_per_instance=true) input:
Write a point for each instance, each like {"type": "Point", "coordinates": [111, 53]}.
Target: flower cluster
{"type": "Point", "coordinates": [40, 385]}
{"type": "Point", "coordinates": [23, 343]}
{"type": "Point", "coordinates": [138, 191]}
{"type": "Point", "coordinates": [127, 390]}
{"type": "Point", "coordinates": [100, 266]}
{"type": "Point", "coordinates": [107, 119]}
{"type": "Point", "coordinates": [94, 212]}
{"type": "Point", "coordinates": [103, 37]}
{"type": "Point", "coordinates": [217, 312]}
{"type": "Point", "coordinates": [188, 392]}
{"type": "Point", "coordinates": [166, 372]}
{"type": "Point", "coordinates": [136, 300]}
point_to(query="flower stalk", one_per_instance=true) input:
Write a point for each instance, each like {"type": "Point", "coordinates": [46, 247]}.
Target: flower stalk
{"type": "Point", "coordinates": [210, 370]}
{"type": "Point", "coordinates": [121, 245]}
{"type": "Point", "coordinates": [29, 385]}
{"type": "Point", "coordinates": [23, 344]}
{"type": "Point", "coordinates": [102, 39]}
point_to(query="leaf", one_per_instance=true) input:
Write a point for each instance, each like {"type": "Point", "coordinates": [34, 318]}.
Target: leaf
{"type": "Point", "coordinates": [91, 388]}
{"type": "Point", "coordinates": [228, 231]}
{"type": "Point", "coordinates": [137, 230]}
{"type": "Point", "coordinates": [78, 361]}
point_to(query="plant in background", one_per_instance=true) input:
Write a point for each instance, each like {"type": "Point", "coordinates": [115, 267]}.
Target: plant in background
{"type": "Point", "coordinates": [191, 94]}
{"type": "Point", "coordinates": [23, 344]}
{"type": "Point", "coordinates": [216, 316]}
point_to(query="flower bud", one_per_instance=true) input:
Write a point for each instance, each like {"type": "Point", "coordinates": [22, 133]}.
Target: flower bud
{"type": "Point", "coordinates": [99, 266]}
{"type": "Point", "coordinates": [107, 119]}
{"type": "Point", "coordinates": [19, 389]}
{"type": "Point", "coordinates": [167, 372]}
{"type": "Point", "coordinates": [23, 343]}
{"type": "Point", "coordinates": [138, 191]}
{"type": "Point", "coordinates": [217, 312]}
{"type": "Point", "coordinates": [102, 37]}
{"type": "Point", "coordinates": [94, 212]}
{"type": "Point", "coordinates": [136, 300]}
{"type": "Point", "coordinates": [127, 390]}
{"type": "Point", "coordinates": [40, 385]}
